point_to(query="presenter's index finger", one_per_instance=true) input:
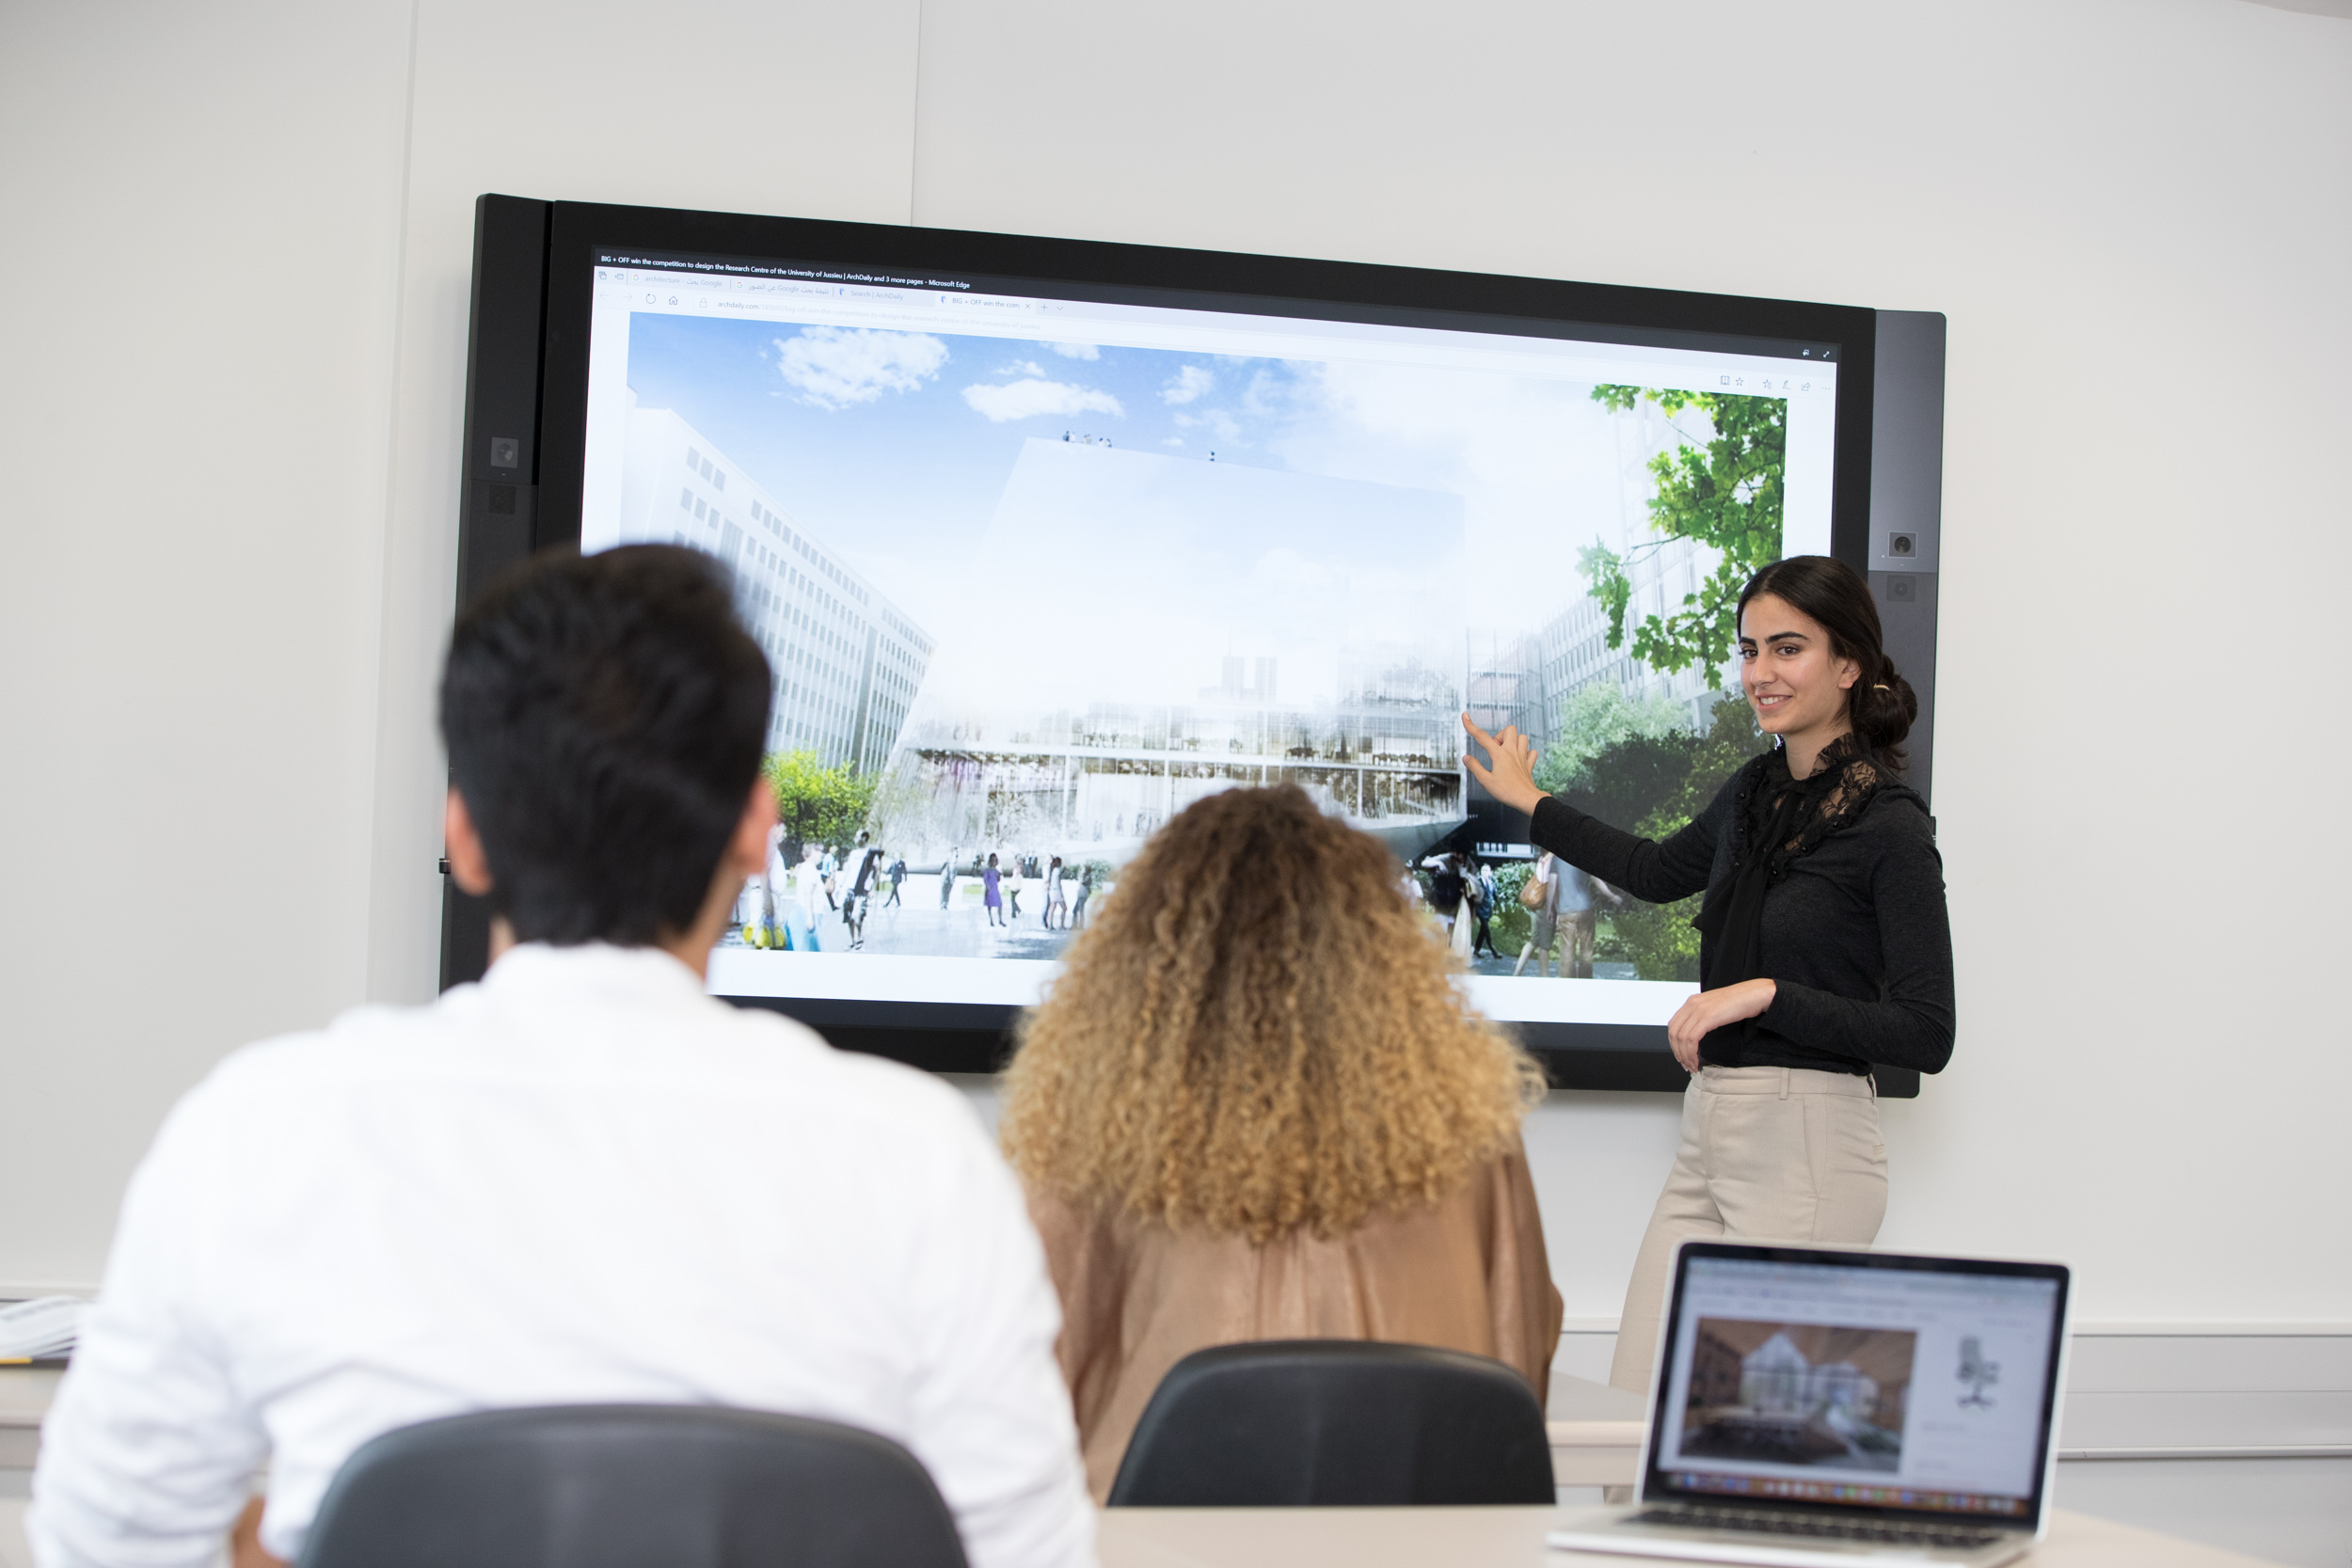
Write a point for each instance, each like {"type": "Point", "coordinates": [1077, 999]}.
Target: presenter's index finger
{"type": "Point", "coordinates": [1480, 736]}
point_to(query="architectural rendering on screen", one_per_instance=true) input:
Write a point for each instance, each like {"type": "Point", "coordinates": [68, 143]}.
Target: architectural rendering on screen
{"type": "Point", "coordinates": [1035, 575]}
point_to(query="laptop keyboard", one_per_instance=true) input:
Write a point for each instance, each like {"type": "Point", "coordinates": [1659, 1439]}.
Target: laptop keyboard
{"type": "Point", "coordinates": [1894, 1532]}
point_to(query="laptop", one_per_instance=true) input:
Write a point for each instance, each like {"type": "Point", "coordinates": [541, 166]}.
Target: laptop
{"type": "Point", "coordinates": [1818, 1409]}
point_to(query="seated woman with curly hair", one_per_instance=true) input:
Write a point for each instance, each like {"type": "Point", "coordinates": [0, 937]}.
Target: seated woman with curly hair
{"type": "Point", "coordinates": [1255, 1107]}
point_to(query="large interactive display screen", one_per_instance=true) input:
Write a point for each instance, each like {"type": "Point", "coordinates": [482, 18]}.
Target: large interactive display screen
{"type": "Point", "coordinates": [1046, 541]}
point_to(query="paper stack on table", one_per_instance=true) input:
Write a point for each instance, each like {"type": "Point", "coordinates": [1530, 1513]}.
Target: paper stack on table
{"type": "Point", "coordinates": [39, 1329]}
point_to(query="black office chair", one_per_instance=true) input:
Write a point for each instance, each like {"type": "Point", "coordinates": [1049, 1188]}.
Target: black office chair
{"type": "Point", "coordinates": [631, 1486]}
{"type": "Point", "coordinates": [1336, 1423]}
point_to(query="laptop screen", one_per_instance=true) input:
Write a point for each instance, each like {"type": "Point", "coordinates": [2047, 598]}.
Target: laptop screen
{"type": "Point", "coordinates": [1858, 1380]}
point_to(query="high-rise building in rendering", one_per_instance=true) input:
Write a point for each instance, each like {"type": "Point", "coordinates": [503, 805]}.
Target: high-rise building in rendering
{"type": "Point", "coordinates": [848, 661]}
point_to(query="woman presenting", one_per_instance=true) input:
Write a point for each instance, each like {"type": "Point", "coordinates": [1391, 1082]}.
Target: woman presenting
{"type": "Point", "coordinates": [1823, 944]}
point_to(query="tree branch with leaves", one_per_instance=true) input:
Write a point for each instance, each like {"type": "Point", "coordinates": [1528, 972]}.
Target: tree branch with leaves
{"type": "Point", "coordinates": [1723, 490]}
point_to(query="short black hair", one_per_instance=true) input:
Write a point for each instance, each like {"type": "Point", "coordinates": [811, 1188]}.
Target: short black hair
{"type": "Point", "coordinates": [605, 716]}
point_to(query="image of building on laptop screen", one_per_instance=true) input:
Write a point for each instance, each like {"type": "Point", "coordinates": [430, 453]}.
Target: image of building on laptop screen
{"type": "Point", "coordinates": [1894, 1388]}
{"type": "Point", "coordinates": [1798, 1394]}
{"type": "Point", "coordinates": [1033, 581]}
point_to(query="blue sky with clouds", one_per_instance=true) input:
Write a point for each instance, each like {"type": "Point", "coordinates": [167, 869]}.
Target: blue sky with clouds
{"type": "Point", "coordinates": [895, 447]}
{"type": "Point", "coordinates": [897, 441]}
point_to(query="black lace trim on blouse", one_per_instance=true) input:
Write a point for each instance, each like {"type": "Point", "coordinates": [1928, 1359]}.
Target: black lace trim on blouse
{"type": "Point", "coordinates": [1843, 780]}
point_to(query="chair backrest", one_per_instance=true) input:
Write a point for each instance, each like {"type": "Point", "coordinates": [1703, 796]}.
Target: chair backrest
{"type": "Point", "coordinates": [1302, 1423]}
{"type": "Point", "coordinates": [631, 1486]}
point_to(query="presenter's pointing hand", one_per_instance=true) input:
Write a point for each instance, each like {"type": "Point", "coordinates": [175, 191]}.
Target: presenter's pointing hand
{"type": "Point", "coordinates": [1509, 775]}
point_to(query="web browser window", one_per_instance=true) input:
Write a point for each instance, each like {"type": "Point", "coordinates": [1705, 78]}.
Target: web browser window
{"type": "Point", "coordinates": [1036, 571]}
{"type": "Point", "coordinates": [1894, 1388]}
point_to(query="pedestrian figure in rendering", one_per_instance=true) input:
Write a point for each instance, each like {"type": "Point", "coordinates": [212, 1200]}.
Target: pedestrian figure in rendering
{"type": "Point", "coordinates": [808, 886]}
{"type": "Point", "coordinates": [776, 882]}
{"type": "Point", "coordinates": [860, 897]}
{"type": "Point", "coordinates": [1056, 904]}
{"type": "Point", "coordinates": [1012, 891]}
{"type": "Point", "coordinates": [1824, 942]}
{"type": "Point", "coordinates": [1086, 890]}
{"type": "Point", "coordinates": [1445, 891]}
{"type": "Point", "coordinates": [1567, 911]}
{"type": "Point", "coordinates": [1455, 923]}
{"type": "Point", "coordinates": [948, 876]}
{"type": "Point", "coordinates": [991, 892]}
{"type": "Point", "coordinates": [898, 879]}
{"type": "Point", "coordinates": [1579, 917]}
{"type": "Point", "coordinates": [1478, 891]}
{"type": "Point", "coordinates": [1544, 916]}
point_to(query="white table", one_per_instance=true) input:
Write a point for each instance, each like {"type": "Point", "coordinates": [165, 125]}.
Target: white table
{"type": "Point", "coordinates": [1504, 1538]}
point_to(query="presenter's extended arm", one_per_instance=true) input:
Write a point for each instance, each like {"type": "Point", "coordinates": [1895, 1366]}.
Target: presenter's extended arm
{"type": "Point", "coordinates": [1658, 870]}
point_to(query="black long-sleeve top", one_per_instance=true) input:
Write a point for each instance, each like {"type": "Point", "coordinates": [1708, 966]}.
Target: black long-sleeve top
{"type": "Point", "coordinates": [1856, 939]}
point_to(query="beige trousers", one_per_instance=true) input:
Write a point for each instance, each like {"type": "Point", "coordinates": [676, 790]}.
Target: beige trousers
{"type": "Point", "coordinates": [1768, 1153]}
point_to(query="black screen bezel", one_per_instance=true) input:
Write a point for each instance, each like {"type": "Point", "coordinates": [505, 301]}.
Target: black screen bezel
{"type": "Point", "coordinates": [1654, 1486]}
{"type": "Point", "coordinates": [960, 1037]}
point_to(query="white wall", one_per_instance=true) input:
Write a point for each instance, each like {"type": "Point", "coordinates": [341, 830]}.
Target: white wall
{"type": "Point", "coordinates": [199, 242]}
{"type": "Point", "coordinates": [228, 514]}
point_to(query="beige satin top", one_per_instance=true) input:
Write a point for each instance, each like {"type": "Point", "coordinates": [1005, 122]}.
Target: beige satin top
{"type": "Point", "coordinates": [1467, 1272]}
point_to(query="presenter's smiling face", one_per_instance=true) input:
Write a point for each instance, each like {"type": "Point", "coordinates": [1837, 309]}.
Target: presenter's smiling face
{"type": "Point", "coordinates": [1793, 678]}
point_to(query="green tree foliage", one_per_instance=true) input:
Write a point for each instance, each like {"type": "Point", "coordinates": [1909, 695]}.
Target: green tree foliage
{"type": "Point", "coordinates": [1596, 718]}
{"type": "Point", "coordinates": [816, 803]}
{"type": "Point", "coordinates": [1652, 784]}
{"type": "Point", "coordinates": [1724, 492]}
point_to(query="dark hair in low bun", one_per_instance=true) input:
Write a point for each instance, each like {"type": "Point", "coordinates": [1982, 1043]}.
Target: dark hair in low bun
{"type": "Point", "coordinates": [1880, 703]}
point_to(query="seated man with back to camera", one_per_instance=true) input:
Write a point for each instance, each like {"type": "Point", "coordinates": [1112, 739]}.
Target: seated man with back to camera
{"type": "Point", "coordinates": [581, 1180]}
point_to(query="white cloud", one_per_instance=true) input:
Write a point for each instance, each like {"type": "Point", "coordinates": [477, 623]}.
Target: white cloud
{"type": "Point", "coordinates": [1077, 351]}
{"type": "Point", "coordinates": [832, 366]}
{"type": "Point", "coordinates": [1023, 367]}
{"type": "Point", "coordinates": [1028, 398]}
{"type": "Point", "coordinates": [1218, 422]}
{"type": "Point", "coordinates": [1171, 440]}
{"type": "Point", "coordinates": [1263, 394]}
{"type": "Point", "coordinates": [1190, 382]}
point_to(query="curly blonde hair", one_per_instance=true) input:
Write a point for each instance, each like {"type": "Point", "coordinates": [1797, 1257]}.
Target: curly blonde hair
{"type": "Point", "coordinates": [1258, 1034]}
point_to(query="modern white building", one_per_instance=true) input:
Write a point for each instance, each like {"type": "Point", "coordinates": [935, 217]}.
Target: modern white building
{"type": "Point", "coordinates": [848, 661]}
{"type": "Point", "coordinates": [1096, 783]}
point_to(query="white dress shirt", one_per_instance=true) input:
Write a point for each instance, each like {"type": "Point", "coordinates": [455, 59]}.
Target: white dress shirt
{"type": "Point", "coordinates": [580, 1180]}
